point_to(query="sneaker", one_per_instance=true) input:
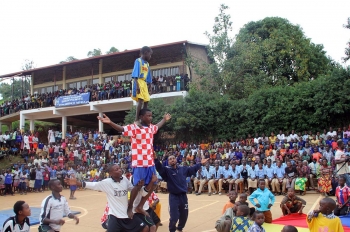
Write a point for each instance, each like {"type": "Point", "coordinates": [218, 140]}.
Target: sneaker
{"type": "Point", "coordinates": [214, 193]}
{"type": "Point", "coordinates": [209, 194]}
{"type": "Point", "coordinates": [197, 194]}
{"type": "Point", "coordinates": [219, 193]}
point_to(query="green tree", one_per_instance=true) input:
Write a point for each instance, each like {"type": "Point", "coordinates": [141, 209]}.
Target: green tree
{"type": "Point", "coordinates": [15, 89]}
{"type": "Point", "coordinates": [95, 52]}
{"type": "Point", "coordinates": [347, 49]}
{"type": "Point", "coordinates": [28, 64]}
{"type": "Point", "coordinates": [112, 50]}
{"type": "Point", "coordinates": [69, 59]}
{"type": "Point", "coordinates": [269, 52]}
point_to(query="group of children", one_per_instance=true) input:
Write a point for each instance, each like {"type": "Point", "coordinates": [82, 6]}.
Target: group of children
{"type": "Point", "coordinates": [238, 217]}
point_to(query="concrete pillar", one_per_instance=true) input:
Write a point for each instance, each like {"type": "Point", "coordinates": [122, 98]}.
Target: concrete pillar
{"type": "Point", "coordinates": [32, 84]}
{"type": "Point", "coordinates": [31, 125]}
{"type": "Point", "coordinates": [1, 127]}
{"type": "Point", "coordinates": [22, 119]}
{"type": "Point", "coordinates": [100, 124]}
{"type": "Point", "coordinates": [64, 78]}
{"type": "Point", "coordinates": [100, 71]}
{"type": "Point", "coordinates": [10, 126]}
{"type": "Point", "coordinates": [64, 126]}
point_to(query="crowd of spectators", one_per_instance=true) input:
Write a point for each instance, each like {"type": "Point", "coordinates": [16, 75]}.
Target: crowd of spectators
{"type": "Point", "coordinates": [105, 91]}
{"type": "Point", "coordinates": [291, 160]}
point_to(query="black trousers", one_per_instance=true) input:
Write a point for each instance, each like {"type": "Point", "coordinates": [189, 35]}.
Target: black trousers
{"type": "Point", "coordinates": [342, 211]}
{"type": "Point", "coordinates": [178, 209]}
{"type": "Point", "coordinates": [8, 188]}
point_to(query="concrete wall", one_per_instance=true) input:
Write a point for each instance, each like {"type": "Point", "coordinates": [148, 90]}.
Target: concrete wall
{"type": "Point", "coordinates": [198, 53]}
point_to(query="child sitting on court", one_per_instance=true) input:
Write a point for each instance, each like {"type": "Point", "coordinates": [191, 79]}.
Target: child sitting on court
{"type": "Point", "coordinates": [239, 223]}
{"type": "Point", "coordinates": [258, 219]}
{"type": "Point", "coordinates": [243, 201]}
{"type": "Point", "coordinates": [232, 196]}
{"type": "Point", "coordinates": [324, 219]}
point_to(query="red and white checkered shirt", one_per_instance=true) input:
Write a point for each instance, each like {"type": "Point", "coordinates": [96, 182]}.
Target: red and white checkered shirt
{"type": "Point", "coordinates": [153, 197]}
{"type": "Point", "coordinates": [141, 144]}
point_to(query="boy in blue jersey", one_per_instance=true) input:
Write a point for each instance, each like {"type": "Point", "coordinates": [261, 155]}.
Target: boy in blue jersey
{"type": "Point", "coordinates": [142, 79]}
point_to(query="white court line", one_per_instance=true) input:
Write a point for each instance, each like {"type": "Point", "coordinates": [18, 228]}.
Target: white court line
{"type": "Point", "coordinates": [315, 204]}
{"type": "Point", "coordinates": [195, 209]}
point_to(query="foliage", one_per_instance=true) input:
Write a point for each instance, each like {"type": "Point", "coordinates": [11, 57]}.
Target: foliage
{"type": "Point", "coordinates": [347, 49]}
{"type": "Point", "coordinates": [269, 52]}
{"type": "Point", "coordinates": [112, 50]}
{"type": "Point", "coordinates": [95, 52]}
{"type": "Point", "coordinates": [69, 59]}
{"type": "Point", "coordinates": [15, 89]}
{"type": "Point", "coordinates": [28, 64]}
{"type": "Point", "coordinates": [313, 105]}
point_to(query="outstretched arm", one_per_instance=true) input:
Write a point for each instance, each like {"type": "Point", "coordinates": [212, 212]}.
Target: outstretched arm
{"type": "Point", "coordinates": [106, 120]}
{"type": "Point", "coordinates": [166, 118]}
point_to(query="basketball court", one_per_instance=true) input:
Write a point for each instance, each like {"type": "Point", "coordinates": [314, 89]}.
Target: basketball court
{"type": "Point", "coordinates": [203, 210]}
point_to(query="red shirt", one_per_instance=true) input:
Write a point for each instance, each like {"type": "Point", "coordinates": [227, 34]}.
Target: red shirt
{"type": "Point", "coordinates": [46, 175]}
{"type": "Point", "coordinates": [71, 156]}
{"type": "Point", "coordinates": [141, 144]}
{"type": "Point", "coordinates": [342, 194]}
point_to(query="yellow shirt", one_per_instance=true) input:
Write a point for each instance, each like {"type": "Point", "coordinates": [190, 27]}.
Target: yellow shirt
{"type": "Point", "coordinates": [93, 173]}
{"type": "Point", "coordinates": [273, 139]}
{"type": "Point", "coordinates": [323, 224]}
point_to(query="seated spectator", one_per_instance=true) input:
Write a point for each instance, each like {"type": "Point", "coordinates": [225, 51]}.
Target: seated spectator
{"type": "Point", "coordinates": [292, 204]}
{"type": "Point", "coordinates": [342, 193]}
{"type": "Point", "coordinates": [232, 196]}
{"type": "Point", "coordinates": [240, 222]}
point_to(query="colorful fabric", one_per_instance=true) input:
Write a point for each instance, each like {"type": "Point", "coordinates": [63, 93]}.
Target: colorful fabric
{"type": "Point", "coordinates": [141, 144]}
{"type": "Point", "coordinates": [322, 223]}
{"type": "Point", "coordinates": [342, 195]}
{"type": "Point", "coordinates": [300, 183]}
{"type": "Point", "coordinates": [240, 224]}
{"type": "Point", "coordinates": [325, 184]}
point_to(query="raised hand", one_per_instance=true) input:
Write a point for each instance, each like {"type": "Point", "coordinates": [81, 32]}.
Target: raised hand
{"type": "Point", "coordinates": [104, 119]}
{"type": "Point", "coordinates": [167, 116]}
{"type": "Point", "coordinates": [204, 161]}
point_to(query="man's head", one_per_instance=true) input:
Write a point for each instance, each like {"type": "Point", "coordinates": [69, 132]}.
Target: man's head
{"type": "Point", "coordinates": [243, 210]}
{"type": "Point", "coordinates": [232, 195]}
{"type": "Point", "coordinates": [289, 229]}
{"type": "Point", "coordinates": [21, 209]}
{"type": "Point", "coordinates": [341, 180]}
{"type": "Point", "coordinates": [114, 171]}
{"type": "Point", "coordinates": [327, 205]}
{"type": "Point", "coordinates": [258, 217]}
{"type": "Point", "coordinates": [145, 116]}
{"type": "Point", "coordinates": [340, 144]}
{"type": "Point", "coordinates": [172, 161]}
{"type": "Point", "coordinates": [55, 185]}
{"type": "Point", "coordinates": [146, 53]}
{"type": "Point", "coordinates": [290, 192]}
{"type": "Point", "coordinates": [262, 184]}
{"type": "Point", "coordinates": [243, 197]}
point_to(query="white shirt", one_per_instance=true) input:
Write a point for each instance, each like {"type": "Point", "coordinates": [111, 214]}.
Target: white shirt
{"type": "Point", "coordinates": [55, 208]}
{"type": "Point", "coordinates": [1, 138]}
{"type": "Point", "coordinates": [117, 194]}
{"type": "Point", "coordinates": [12, 225]}
{"type": "Point", "coordinates": [332, 134]}
{"type": "Point", "coordinates": [280, 137]}
{"type": "Point", "coordinates": [343, 168]}
{"type": "Point", "coordinates": [294, 136]}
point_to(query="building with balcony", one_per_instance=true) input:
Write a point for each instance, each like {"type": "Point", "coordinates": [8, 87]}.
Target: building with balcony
{"type": "Point", "coordinates": [167, 60]}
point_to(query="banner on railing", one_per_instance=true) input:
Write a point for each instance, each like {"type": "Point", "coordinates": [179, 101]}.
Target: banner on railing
{"type": "Point", "coordinates": [72, 100]}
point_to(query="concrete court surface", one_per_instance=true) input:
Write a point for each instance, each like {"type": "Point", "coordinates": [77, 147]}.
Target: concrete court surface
{"type": "Point", "coordinates": [204, 210]}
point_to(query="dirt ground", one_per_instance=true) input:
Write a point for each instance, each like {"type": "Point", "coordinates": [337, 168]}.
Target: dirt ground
{"type": "Point", "coordinates": [204, 210]}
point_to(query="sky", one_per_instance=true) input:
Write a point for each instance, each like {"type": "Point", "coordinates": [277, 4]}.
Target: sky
{"type": "Point", "coordinates": [47, 32]}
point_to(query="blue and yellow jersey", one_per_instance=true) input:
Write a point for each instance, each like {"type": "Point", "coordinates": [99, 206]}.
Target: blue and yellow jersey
{"type": "Point", "coordinates": [142, 70]}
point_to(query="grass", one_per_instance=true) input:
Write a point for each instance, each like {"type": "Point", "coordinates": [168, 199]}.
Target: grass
{"type": "Point", "coordinates": [5, 163]}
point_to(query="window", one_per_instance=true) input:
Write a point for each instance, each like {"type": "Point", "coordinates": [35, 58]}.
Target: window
{"type": "Point", "coordinates": [72, 85]}
{"type": "Point", "coordinates": [95, 81]}
{"type": "Point", "coordinates": [109, 79]}
{"type": "Point", "coordinates": [121, 78]}
{"type": "Point", "coordinates": [43, 90]}
{"type": "Point", "coordinates": [83, 83]}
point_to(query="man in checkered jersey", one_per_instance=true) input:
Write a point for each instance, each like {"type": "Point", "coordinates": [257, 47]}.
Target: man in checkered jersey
{"type": "Point", "coordinates": [141, 152]}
